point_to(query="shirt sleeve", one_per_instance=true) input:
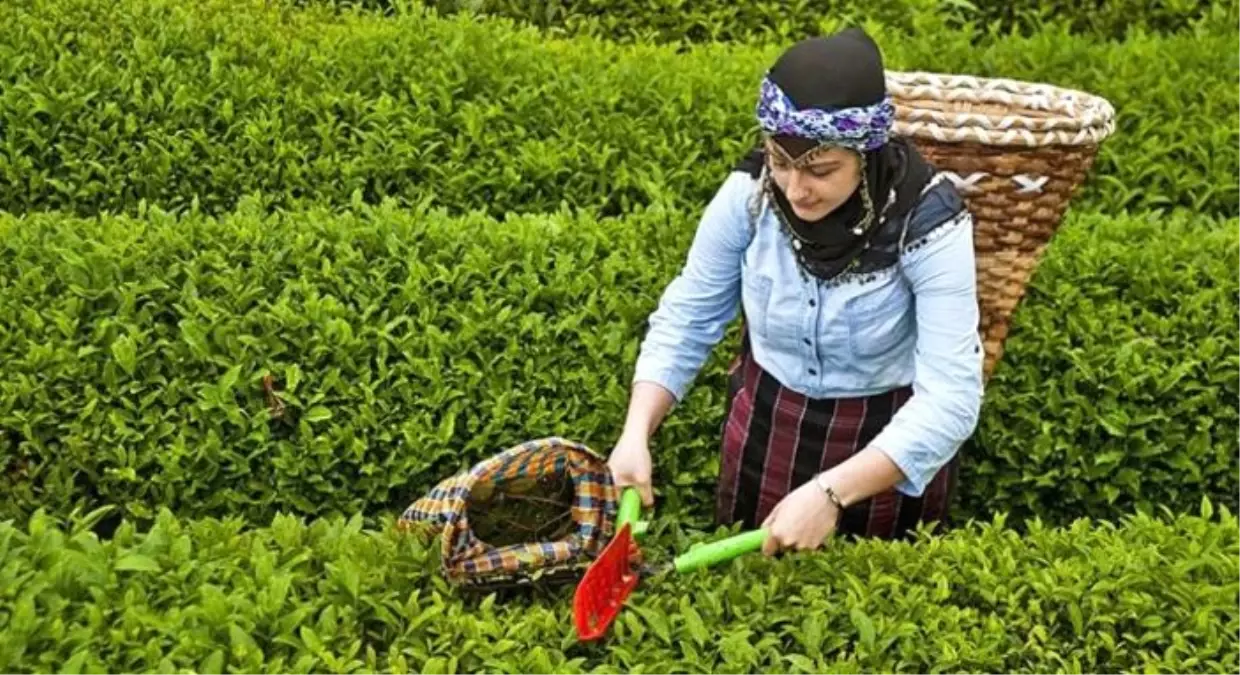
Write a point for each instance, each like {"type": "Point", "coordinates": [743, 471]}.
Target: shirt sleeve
{"type": "Point", "coordinates": [947, 386]}
{"type": "Point", "coordinates": [697, 306]}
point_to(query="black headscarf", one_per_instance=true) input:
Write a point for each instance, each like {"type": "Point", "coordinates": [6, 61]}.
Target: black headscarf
{"type": "Point", "coordinates": [844, 70]}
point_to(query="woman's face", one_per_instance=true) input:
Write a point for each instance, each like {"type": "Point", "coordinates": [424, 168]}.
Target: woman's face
{"type": "Point", "coordinates": [820, 182]}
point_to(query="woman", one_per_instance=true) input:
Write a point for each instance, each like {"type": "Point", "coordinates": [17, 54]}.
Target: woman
{"type": "Point", "coordinates": [860, 373]}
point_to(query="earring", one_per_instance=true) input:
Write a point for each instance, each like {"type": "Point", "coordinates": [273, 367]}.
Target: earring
{"type": "Point", "coordinates": [865, 200]}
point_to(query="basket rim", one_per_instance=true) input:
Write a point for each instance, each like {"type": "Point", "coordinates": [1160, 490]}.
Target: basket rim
{"type": "Point", "coordinates": [1066, 116]}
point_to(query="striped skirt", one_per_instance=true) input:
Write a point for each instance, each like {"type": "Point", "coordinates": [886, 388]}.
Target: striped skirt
{"type": "Point", "coordinates": [774, 440]}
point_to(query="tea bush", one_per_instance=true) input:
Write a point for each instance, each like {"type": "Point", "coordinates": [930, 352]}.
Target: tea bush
{"type": "Point", "coordinates": [215, 596]}
{"type": "Point", "coordinates": [259, 259]}
{"type": "Point", "coordinates": [407, 344]}
{"type": "Point", "coordinates": [673, 21]}
{"type": "Point", "coordinates": [1119, 382]}
{"type": "Point", "coordinates": [176, 103]}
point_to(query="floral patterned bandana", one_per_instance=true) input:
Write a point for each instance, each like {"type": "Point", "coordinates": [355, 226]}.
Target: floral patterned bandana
{"type": "Point", "coordinates": [862, 128]}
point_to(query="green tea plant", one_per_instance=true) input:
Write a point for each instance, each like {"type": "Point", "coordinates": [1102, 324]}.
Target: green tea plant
{"type": "Point", "coordinates": [217, 596]}
{"type": "Point", "coordinates": [1120, 364]}
{"type": "Point", "coordinates": [175, 103]}
{"type": "Point", "coordinates": [670, 21]}
{"type": "Point", "coordinates": [329, 363]}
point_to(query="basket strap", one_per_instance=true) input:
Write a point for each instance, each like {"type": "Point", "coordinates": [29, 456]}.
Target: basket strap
{"type": "Point", "coordinates": [938, 177]}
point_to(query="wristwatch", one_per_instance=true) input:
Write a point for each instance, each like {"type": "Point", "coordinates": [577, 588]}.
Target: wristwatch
{"type": "Point", "coordinates": [820, 481]}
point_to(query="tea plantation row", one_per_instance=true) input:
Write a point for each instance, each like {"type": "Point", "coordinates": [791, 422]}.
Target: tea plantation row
{"type": "Point", "coordinates": [721, 20]}
{"type": "Point", "coordinates": [211, 596]}
{"type": "Point", "coordinates": [407, 344]}
{"type": "Point", "coordinates": [104, 106]}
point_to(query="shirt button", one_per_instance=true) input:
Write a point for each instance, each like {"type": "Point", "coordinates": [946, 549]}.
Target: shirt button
{"type": "Point", "coordinates": [812, 371]}
{"type": "Point", "coordinates": [808, 342]}
{"type": "Point", "coordinates": [812, 303]}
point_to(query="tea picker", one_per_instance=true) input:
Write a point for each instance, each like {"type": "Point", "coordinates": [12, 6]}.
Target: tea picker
{"type": "Point", "coordinates": [547, 511]}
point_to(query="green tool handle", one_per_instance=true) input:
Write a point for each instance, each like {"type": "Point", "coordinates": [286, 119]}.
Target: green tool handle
{"type": "Point", "coordinates": [630, 508]}
{"type": "Point", "coordinates": [720, 551]}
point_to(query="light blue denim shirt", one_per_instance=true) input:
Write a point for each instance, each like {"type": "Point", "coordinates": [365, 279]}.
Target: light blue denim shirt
{"type": "Point", "coordinates": [858, 338]}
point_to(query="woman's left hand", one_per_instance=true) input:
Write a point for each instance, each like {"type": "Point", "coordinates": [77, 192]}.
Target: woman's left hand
{"type": "Point", "coordinates": [801, 521]}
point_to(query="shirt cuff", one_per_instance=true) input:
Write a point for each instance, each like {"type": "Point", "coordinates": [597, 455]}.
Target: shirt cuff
{"type": "Point", "coordinates": [919, 461]}
{"type": "Point", "coordinates": [675, 382]}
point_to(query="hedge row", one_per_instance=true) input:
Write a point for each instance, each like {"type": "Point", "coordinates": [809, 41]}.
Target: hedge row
{"type": "Point", "coordinates": [179, 102]}
{"type": "Point", "coordinates": [672, 21]}
{"type": "Point", "coordinates": [1120, 374]}
{"type": "Point", "coordinates": [213, 596]}
{"type": "Point", "coordinates": [406, 345]}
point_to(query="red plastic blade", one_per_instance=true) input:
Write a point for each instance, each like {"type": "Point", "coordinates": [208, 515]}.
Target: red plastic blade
{"type": "Point", "coordinates": [605, 587]}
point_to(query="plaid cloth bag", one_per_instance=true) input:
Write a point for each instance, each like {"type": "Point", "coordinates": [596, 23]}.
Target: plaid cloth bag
{"type": "Point", "coordinates": [539, 511]}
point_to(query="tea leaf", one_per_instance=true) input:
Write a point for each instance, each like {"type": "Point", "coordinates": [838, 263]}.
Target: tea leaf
{"type": "Point", "coordinates": [135, 562]}
{"type": "Point", "coordinates": [318, 414]}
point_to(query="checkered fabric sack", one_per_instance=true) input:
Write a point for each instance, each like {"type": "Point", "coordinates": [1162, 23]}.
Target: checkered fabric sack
{"type": "Point", "coordinates": [539, 511]}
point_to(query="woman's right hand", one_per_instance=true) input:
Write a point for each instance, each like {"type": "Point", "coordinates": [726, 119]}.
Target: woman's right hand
{"type": "Point", "coordinates": [631, 466]}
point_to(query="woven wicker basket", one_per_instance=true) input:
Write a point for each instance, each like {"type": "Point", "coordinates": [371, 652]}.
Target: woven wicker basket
{"type": "Point", "coordinates": [1017, 151]}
